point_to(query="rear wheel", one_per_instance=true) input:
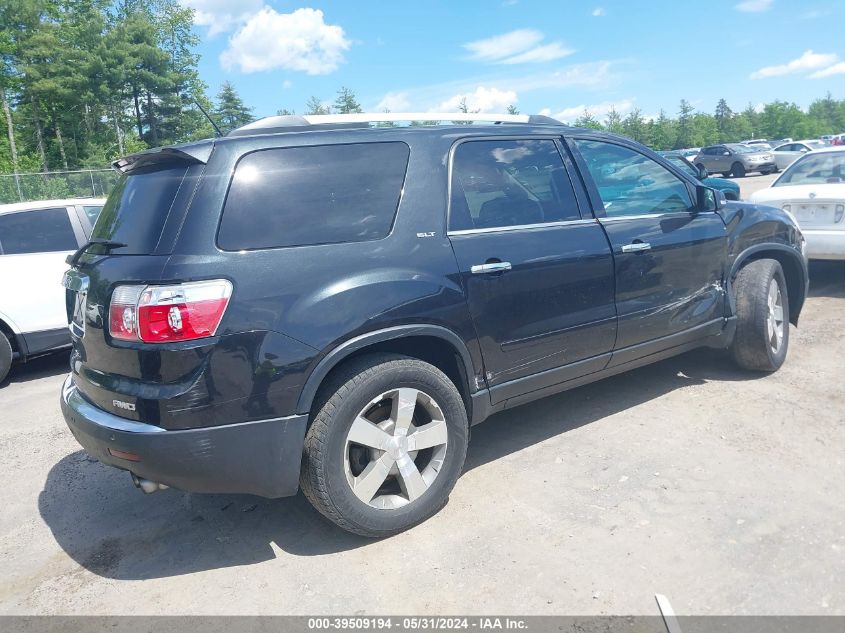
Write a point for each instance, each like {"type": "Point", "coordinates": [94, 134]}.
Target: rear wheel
{"type": "Point", "coordinates": [386, 445]}
{"type": "Point", "coordinates": [738, 170]}
{"type": "Point", "coordinates": [762, 310]}
{"type": "Point", "coordinates": [5, 356]}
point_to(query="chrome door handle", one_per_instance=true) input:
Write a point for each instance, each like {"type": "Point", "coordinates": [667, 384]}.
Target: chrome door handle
{"type": "Point", "coordinates": [493, 267]}
{"type": "Point", "coordinates": [636, 247]}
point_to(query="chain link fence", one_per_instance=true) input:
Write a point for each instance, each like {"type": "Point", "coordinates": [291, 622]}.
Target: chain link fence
{"type": "Point", "coordinates": [88, 183]}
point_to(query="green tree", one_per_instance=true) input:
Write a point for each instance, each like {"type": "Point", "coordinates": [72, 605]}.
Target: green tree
{"type": "Point", "coordinates": [662, 132]}
{"type": "Point", "coordinates": [345, 103]}
{"type": "Point", "coordinates": [724, 122]}
{"type": "Point", "coordinates": [635, 127]}
{"type": "Point", "coordinates": [512, 109]}
{"type": "Point", "coordinates": [684, 127]}
{"type": "Point", "coordinates": [613, 122]}
{"type": "Point", "coordinates": [315, 106]}
{"type": "Point", "coordinates": [588, 120]}
{"type": "Point", "coordinates": [231, 112]}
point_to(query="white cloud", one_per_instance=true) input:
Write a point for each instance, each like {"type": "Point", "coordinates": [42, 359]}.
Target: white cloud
{"type": "Point", "coordinates": [300, 41]}
{"type": "Point", "coordinates": [836, 69]}
{"type": "Point", "coordinates": [221, 15]}
{"type": "Point", "coordinates": [516, 47]}
{"type": "Point", "coordinates": [598, 110]}
{"type": "Point", "coordinates": [808, 61]}
{"type": "Point", "coordinates": [754, 6]}
{"type": "Point", "coordinates": [598, 12]}
{"type": "Point", "coordinates": [287, 83]}
{"type": "Point", "coordinates": [482, 99]}
{"type": "Point", "coordinates": [395, 102]}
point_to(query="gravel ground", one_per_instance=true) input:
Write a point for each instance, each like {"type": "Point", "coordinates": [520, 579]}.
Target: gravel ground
{"type": "Point", "coordinates": [718, 488]}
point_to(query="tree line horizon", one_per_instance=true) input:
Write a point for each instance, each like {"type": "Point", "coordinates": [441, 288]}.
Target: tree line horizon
{"type": "Point", "coordinates": [83, 82]}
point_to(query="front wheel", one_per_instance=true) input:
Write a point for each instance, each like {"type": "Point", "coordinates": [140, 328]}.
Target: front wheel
{"type": "Point", "coordinates": [386, 445]}
{"type": "Point", "coordinates": [762, 313]}
{"type": "Point", "coordinates": [738, 170]}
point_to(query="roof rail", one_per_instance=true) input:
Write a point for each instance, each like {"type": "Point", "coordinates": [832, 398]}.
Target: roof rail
{"type": "Point", "coordinates": [286, 123]}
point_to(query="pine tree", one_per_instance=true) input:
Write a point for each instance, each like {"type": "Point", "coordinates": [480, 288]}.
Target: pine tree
{"type": "Point", "coordinates": [588, 120]}
{"type": "Point", "coordinates": [724, 121]}
{"type": "Point", "coordinates": [231, 112]}
{"type": "Point", "coordinates": [345, 102]}
{"type": "Point", "coordinates": [684, 128]}
{"type": "Point", "coordinates": [613, 121]}
{"type": "Point", "coordinates": [315, 106]}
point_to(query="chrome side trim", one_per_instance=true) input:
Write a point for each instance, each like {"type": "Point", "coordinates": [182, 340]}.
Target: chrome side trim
{"type": "Point", "coordinates": [643, 216]}
{"type": "Point", "coordinates": [520, 227]}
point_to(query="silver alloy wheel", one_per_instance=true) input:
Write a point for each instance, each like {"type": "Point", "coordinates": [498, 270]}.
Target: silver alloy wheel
{"type": "Point", "coordinates": [774, 323]}
{"type": "Point", "coordinates": [395, 448]}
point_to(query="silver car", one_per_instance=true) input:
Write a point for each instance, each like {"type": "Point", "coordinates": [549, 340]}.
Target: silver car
{"type": "Point", "coordinates": [735, 159]}
{"type": "Point", "coordinates": [787, 153]}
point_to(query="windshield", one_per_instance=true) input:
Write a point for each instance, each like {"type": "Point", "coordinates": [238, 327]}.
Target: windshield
{"type": "Point", "coordinates": [815, 170]}
{"type": "Point", "coordinates": [746, 149]}
{"type": "Point", "coordinates": [683, 165]}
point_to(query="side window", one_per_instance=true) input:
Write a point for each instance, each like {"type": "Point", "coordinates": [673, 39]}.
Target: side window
{"type": "Point", "coordinates": [313, 195]}
{"type": "Point", "coordinates": [93, 212]}
{"type": "Point", "coordinates": [498, 184]}
{"type": "Point", "coordinates": [42, 231]}
{"type": "Point", "coordinates": [630, 183]}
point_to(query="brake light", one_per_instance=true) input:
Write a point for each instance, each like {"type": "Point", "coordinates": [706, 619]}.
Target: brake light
{"type": "Point", "coordinates": [157, 314]}
{"type": "Point", "coordinates": [840, 211]}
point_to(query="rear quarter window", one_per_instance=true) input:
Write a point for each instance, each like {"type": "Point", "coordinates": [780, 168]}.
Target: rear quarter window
{"type": "Point", "coordinates": [323, 194]}
{"type": "Point", "coordinates": [41, 231]}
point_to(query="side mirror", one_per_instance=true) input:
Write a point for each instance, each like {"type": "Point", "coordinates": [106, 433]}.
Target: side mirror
{"type": "Point", "coordinates": [710, 199]}
{"type": "Point", "coordinates": [726, 153]}
{"type": "Point", "coordinates": [803, 150]}
{"type": "Point", "coordinates": [702, 172]}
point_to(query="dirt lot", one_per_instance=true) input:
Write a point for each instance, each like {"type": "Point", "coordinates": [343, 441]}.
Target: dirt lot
{"type": "Point", "coordinates": [721, 489]}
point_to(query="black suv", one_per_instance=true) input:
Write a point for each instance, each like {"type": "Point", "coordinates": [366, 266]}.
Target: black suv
{"type": "Point", "coordinates": [322, 302]}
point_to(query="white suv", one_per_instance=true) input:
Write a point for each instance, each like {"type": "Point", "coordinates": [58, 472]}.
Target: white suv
{"type": "Point", "coordinates": [35, 240]}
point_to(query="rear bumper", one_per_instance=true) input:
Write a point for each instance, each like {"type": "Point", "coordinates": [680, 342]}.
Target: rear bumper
{"type": "Point", "coordinates": [761, 167]}
{"type": "Point", "coordinates": [261, 458]}
{"type": "Point", "coordinates": [825, 244]}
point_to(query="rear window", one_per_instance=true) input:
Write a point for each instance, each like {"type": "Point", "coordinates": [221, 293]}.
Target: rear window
{"type": "Point", "coordinates": [313, 195]}
{"type": "Point", "coordinates": [42, 231]}
{"type": "Point", "coordinates": [137, 208]}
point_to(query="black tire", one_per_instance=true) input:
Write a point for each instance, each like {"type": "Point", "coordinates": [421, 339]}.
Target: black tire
{"type": "Point", "coordinates": [738, 170]}
{"type": "Point", "coordinates": [5, 357]}
{"type": "Point", "coordinates": [752, 347]}
{"type": "Point", "coordinates": [324, 468]}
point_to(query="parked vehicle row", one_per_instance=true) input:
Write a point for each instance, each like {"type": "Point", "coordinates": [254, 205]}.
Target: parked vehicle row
{"type": "Point", "coordinates": [35, 240]}
{"type": "Point", "coordinates": [314, 301]}
{"type": "Point", "coordinates": [728, 187]}
{"type": "Point", "coordinates": [735, 159]}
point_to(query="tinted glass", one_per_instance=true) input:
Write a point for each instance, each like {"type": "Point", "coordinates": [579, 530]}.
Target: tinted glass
{"type": "Point", "coordinates": [137, 209]}
{"type": "Point", "coordinates": [43, 231]}
{"type": "Point", "coordinates": [313, 195]}
{"type": "Point", "coordinates": [509, 183]}
{"type": "Point", "coordinates": [630, 183]}
{"type": "Point", "coordinates": [93, 212]}
{"type": "Point", "coordinates": [818, 169]}
{"type": "Point", "coordinates": [683, 166]}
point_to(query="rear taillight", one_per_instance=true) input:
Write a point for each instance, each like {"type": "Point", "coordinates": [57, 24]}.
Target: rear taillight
{"type": "Point", "coordinates": [157, 314]}
{"type": "Point", "coordinates": [840, 211]}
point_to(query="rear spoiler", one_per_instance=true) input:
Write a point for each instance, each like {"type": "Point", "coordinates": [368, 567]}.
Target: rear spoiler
{"type": "Point", "coordinates": [193, 153]}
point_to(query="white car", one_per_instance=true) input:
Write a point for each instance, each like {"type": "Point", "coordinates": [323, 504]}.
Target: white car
{"type": "Point", "coordinates": [813, 190]}
{"type": "Point", "coordinates": [35, 240]}
{"type": "Point", "coordinates": [788, 153]}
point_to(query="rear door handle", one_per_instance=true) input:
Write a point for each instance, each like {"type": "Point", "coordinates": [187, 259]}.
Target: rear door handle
{"type": "Point", "coordinates": [492, 267]}
{"type": "Point", "coordinates": [636, 247]}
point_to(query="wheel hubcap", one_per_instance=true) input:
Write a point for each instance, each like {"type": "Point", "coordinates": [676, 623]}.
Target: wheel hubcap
{"type": "Point", "coordinates": [774, 323]}
{"type": "Point", "coordinates": [395, 448]}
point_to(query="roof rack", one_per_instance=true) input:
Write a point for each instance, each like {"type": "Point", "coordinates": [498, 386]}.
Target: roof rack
{"type": "Point", "coordinates": [288, 123]}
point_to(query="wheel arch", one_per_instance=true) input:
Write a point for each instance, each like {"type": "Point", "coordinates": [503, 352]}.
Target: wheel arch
{"type": "Point", "coordinates": [793, 270]}
{"type": "Point", "coordinates": [433, 344]}
{"type": "Point", "coordinates": [16, 340]}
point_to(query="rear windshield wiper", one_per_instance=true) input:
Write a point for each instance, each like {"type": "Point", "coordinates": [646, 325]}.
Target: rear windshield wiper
{"type": "Point", "coordinates": [98, 241]}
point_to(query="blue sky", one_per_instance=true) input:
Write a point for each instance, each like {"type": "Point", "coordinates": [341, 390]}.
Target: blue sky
{"type": "Point", "coordinates": [554, 57]}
